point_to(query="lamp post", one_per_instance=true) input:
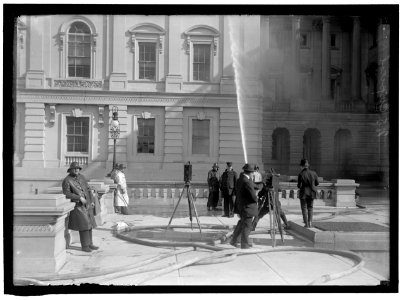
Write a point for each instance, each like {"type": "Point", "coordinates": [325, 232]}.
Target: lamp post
{"type": "Point", "coordinates": [114, 130]}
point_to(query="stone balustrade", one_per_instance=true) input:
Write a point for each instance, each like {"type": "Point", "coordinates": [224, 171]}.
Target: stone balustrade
{"type": "Point", "coordinates": [337, 193]}
{"type": "Point", "coordinates": [39, 233]}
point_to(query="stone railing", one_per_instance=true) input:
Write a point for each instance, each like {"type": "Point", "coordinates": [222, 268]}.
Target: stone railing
{"type": "Point", "coordinates": [163, 189]}
{"type": "Point", "coordinates": [39, 233]}
{"type": "Point", "coordinates": [338, 193]}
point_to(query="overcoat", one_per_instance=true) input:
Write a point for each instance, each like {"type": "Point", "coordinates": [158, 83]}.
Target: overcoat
{"type": "Point", "coordinates": [82, 216]}
{"type": "Point", "coordinates": [228, 182]}
{"type": "Point", "coordinates": [307, 182]}
{"type": "Point", "coordinates": [246, 199]}
{"type": "Point", "coordinates": [121, 196]}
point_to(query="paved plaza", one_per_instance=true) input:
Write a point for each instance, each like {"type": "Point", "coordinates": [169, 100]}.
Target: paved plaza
{"type": "Point", "coordinates": [117, 259]}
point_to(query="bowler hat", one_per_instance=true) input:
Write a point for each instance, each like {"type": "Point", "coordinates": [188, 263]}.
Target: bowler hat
{"type": "Point", "coordinates": [304, 163]}
{"type": "Point", "coordinates": [74, 165]}
{"type": "Point", "coordinates": [248, 168]}
{"type": "Point", "coordinates": [121, 167]}
{"type": "Point", "coordinates": [229, 164]}
{"type": "Point", "coordinates": [215, 165]}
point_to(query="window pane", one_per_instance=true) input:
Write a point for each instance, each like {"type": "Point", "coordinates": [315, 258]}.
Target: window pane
{"type": "Point", "coordinates": [146, 135]}
{"type": "Point", "coordinates": [201, 62]}
{"type": "Point", "coordinates": [79, 50]}
{"type": "Point", "coordinates": [147, 60]}
{"type": "Point", "coordinates": [77, 134]}
{"type": "Point", "coordinates": [201, 137]}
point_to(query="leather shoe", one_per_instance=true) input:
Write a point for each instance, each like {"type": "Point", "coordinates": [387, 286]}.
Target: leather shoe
{"type": "Point", "coordinates": [234, 244]}
{"type": "Point", "coordinates": [209, 208]}
{"type": "Point", "coordinates": [86, 249]}
{"type": "Point", "coordinates": [92, 247]}
{"type": "Point", "coordinates": [247, 246]}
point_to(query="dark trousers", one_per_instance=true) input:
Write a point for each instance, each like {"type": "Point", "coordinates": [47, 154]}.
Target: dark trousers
{"type": "Point", "coordinates": [306, 208]}
{"type": "Point", "coordinates": [243, 229]}
{"type": "Point", "coordinates": [85, 238]}
{"type": "Point", "coordinates": [213, 199]}
{"type": "Point", "coordinates": [228, 204]}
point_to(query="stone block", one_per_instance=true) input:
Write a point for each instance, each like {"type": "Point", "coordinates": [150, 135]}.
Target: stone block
{"type": "Point", "coordinates": [173, 83]}
{"type": "Point", "coordinates": [117, 81]}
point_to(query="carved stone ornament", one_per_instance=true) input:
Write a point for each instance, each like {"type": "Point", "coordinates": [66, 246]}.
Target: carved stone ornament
{"type": "Point", "coordinates": [52, 114]}
{"type": "Point", "coordinates": [161, 45]}
{"type": "Point", "coordinates": [201, 115]}
{"type": "Point", "coordinates": [77, 112]}
{"type": "Point", "coordinates": [33, 228]}
{"type": "Point", "coordinates": [132, 42]}
{"type": "Point", "coordinates": [101, 111]}
{"type": "Point", "coordinates": [77, 83]}
{"type": "Point", "coordinates": [215, 47]}
{"type": "Point", "coordinates": [146, 115]}
{"type": "Point", "coordinates": [61, 41]}
{"type": "Point", "coordinates": [187, 44]}
{"type": "Point", "coordinates": [94, 42]}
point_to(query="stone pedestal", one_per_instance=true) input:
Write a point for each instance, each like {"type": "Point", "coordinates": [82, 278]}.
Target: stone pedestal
{"type": "Point", "coordinates": [39, 229]}
{"type": "Point", "coordinates": [345, 192]}
{"type": "Point", "coordinates": [102, 189]}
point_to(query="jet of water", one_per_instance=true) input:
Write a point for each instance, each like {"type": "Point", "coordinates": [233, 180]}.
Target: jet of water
{"type": "Point", "coordinates": [236, 54]}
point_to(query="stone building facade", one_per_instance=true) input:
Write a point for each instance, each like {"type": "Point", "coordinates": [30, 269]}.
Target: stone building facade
{"type": "Point", "coordinates": [306, 86]}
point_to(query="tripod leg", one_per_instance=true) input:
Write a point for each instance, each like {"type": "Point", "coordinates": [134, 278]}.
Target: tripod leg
{"type": "Point", "coordinates": [177, 204]}
{"type": "Point", "coordinates": [190, 208]}
{"type": "Point", "coordinates": [197, 217]}
{"type": "Point", "coordinates": [274, 217]}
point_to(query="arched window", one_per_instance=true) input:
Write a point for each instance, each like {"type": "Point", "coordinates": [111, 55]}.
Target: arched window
{"type": "Point", "coordinates": [79, 50]}
{"type": "Point", "coordinates": [342, 149]}
{"type": "Point", "coordinates": [312, 148]}
{"type": "Point", "coordinates": [281, 149]}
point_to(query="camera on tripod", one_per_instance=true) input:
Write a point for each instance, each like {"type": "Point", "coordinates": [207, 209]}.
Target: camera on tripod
{"type": "Point", "coordinates": [187, 172]}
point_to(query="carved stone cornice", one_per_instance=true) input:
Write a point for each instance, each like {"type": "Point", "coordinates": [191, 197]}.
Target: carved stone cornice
{"type": "Point", "coordinates": [77, 83]}
{"type": "Point", "coordinates": [212, 101]}
{"type": "Point", "coordinates": [34, 228]}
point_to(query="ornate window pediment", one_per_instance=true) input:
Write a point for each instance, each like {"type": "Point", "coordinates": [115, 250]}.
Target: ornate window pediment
{"type": "Point", "coordinates": [147, 31]}
{"type": "Point", "coordinates": [201, 32]}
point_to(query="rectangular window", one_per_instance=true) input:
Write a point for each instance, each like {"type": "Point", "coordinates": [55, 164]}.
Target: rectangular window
{"type": "Point", "coordinates": [201, 62]}
{"type": "Point", "coordinates": [147, 61]}
{"type": "Point", "coordinates": [333, 41]}
{"type": "Point", "coordinates": [146, 135]}
{"type": "Point", "coordinates": [201, 137]}
{"type": "Point", "coordinates": [77, 134]}
{"type": "Point", "coordinates": [79, 55]}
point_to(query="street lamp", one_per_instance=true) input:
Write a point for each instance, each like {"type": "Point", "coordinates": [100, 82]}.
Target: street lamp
{"type": "Point", "coordinates": [114, 131]}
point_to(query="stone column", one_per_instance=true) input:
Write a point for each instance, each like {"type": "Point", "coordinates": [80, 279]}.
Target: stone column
{"type": "Point", "coordinates": [34, 142]}
{"type": "Point", "coordinates": [356, 62]}
{"type": "Point", "coordinates": [35, 76]}
{"type": "Point", "coordinates": [118, 77]}
{"type": "Point", "coordinates": [227, 83]}
{"type": "Point", "coordinates": [173, 80]}
{"type": "Point", "coordinates": [39, 228]}
{"type": "Point", "coordinates": [326, 58]}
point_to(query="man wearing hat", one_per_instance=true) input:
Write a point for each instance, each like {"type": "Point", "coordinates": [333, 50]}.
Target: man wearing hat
{"type": "Point", "coordinates": [307, 182]}
{"type": "Point", "coordinates": [81, 218]}
{"type": "Point", "coordinates": [247, 207]}
{"type": "Point", "coordinates": [228, 181]}
{"type": "Point", "coordinates": [213, 181]}
{"type": "Point", "coordinates": [121, 200]}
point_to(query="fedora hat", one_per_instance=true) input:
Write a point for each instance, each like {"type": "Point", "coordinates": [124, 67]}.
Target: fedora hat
{"type": "Point", "coordinates": [74, 165]}
{"type": "Point", "coordinates": [229, 164]}
{"type": "Point", "coordinates": [215, 165]}
{"type": "Point", "coordinates": [304, 163]}
{"type": "Point", "coordinates": [248, 168]}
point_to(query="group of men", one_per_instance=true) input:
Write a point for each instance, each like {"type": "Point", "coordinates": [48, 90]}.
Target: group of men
{"type": "Point", "coordinates": [241, 196]}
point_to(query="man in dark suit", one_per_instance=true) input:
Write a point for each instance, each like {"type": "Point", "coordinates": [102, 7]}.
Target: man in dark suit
{"type": "Point", "coordinates": [228, 181]}
{"type": "Point", "coordinates": [307, 183]}
{"type": "Point", "coordinates": [213, 181]}
{"type": "Point", "coordinates": [76, 188]}
{"type": "Point", "coordinates": [247, 207]}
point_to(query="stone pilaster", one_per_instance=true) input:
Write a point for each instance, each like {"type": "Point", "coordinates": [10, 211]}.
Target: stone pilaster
{"type": "Point", "coordinates": [35, 76]}
{"type": "Point", "coordinates": [295, 53]}
{"type": "Point", "coordinates": [118, 77]}
{"type": "Point", "coordinates": [326, 58]}
{"type": "Point", "coordinates": [173, 80]}
{"type": "Point", "coordinates": [227, 83]}
{"type": "Point", "coordinates": [174, 139]}
{"type": "Point", "coordinates": [34, 142]}
{"type": "Point", "coordinates": [356, 61]}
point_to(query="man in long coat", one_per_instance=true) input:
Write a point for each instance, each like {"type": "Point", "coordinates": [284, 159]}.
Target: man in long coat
{"type": "Point", "coordinates": [247, 207]}
{"type": "Point", "coordinates": [228, 181]}
{"type": "Point", "coordinates": [307, 183]}
{"type": "Point", "coordinates": [81, 218]}
{"type": "Point", "coordinates": [121, 200]}
{"type": "Point", "coordinates": [213, 181]}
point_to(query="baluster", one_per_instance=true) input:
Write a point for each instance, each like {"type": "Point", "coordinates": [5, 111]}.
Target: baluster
{"type": "Point", "coordinates": [287, 194]}
{"type": "Point", "coordinates": [141, 192]}
{"type": "Point", "coordinates": [148, 192]}
{"type": "Point", "coordinates": [164, 191]}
